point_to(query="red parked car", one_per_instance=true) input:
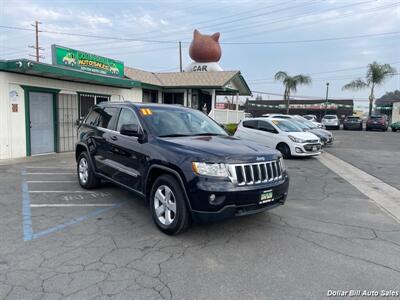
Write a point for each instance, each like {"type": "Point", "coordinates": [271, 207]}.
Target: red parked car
{"type": "Point", "coordinates": [378, 122]}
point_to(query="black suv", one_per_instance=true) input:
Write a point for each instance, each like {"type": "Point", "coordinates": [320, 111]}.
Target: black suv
{"type": "Point", "coordinates": [180, 161]}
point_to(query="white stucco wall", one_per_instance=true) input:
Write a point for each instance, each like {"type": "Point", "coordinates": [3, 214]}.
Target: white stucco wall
{"type": "Point", "coordinates": [396, 112]}
{"type": "Point", "coordinates": [12, 124]}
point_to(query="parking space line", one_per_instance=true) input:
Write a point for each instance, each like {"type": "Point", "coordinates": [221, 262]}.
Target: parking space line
{"type": "Point", "coordinates": [75, 221]}
{"type": "Point", "coordinates": [29, 234]}
{"type": "Point", "coordinates": [48, 167]}
{"type": "Point", "coordinates": [385, 196]}
{"type": "Point", "coordinates": [52, 181]}
{"type": "Point", "coordinates": [61, 192]}
{"type": "Point", "coordinates": [41, 173]}
{"type": "Point", "coordinates": [74, 205]}
{"type": "Point", "coordinates": [26, 210]}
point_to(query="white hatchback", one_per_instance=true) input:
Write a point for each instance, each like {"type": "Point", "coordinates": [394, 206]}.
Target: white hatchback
{"type": "Point", "coordinates": [279, 134]}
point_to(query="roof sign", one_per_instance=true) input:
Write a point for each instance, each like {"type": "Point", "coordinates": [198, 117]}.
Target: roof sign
{"type": "Point", "coordinates": [87, 62]}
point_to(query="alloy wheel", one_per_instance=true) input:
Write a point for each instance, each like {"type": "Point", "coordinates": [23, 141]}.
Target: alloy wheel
{"type": "Point", "coordinates": [165, 205]}
{"type": "Point", "coordinates": [83, 170]}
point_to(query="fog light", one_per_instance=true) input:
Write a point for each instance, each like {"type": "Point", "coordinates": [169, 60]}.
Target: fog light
{"type": "Point", "coordinates": [299, 150]}
{"type": "Point", "coordinates": [216, 200]}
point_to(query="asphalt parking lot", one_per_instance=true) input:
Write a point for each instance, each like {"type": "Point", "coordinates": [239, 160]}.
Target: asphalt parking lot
{"type": "Point", "coordinates": [59, 241]}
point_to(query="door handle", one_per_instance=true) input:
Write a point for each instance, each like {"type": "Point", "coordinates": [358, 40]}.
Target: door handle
{"type": "Point", "coordinates": [114, 137]}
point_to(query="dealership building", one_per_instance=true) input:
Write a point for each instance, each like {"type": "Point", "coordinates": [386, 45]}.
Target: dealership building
{"type": "Point", "coordinates": [41, 104]}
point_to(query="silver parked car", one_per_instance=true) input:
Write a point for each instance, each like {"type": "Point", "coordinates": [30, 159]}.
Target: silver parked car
{"type": "Point", "coordinates": [331, 121]}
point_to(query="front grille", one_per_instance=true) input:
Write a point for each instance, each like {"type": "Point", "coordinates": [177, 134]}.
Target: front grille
{"type": "Point", "coordinates": [311, 141]}
{"type": "Point", "coordinates": [310, 147]}
{"type": "Point", "coordinates": [255, 173]}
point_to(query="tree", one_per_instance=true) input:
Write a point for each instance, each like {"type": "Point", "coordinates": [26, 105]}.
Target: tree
{"type": "Point", "coordinates": [390, 97]}
{"type": "Point", "coordinates": [291, 83]}
{"type": "Point", "coordinates": [376, 75]}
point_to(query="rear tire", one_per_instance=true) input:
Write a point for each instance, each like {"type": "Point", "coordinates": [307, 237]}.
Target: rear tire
{"type": "Point", "coordinates": [168, 205]}
{"type": "Point", "coordinates": [394, 130]}
{"type": "Point", "coordinates": [86, 176]}
{"type": "Point", "coordinates": [284, 149]}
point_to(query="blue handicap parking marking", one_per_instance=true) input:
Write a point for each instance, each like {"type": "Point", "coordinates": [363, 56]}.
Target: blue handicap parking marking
{"type": "Point", "coordinates": [67, 197]}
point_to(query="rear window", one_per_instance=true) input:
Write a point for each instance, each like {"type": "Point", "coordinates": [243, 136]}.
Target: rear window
{"type": "Point", "coordinates": [376, 117]}
{"type": "Point", "coordinates": [353, 118]}
{"type": "Point", "coordinates": [330, 117]}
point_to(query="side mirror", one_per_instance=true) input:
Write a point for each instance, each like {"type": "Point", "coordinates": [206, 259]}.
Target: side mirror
{"type": "Point", "coordinates": [131, 130]}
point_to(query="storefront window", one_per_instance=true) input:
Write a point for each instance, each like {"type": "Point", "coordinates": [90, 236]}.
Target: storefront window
{"type": "Point", "coordinates": [86, 101]}
{"type": "Point", "coordinates": [173, 98]}
{"type": "Point", "coordinates": [150, 96]}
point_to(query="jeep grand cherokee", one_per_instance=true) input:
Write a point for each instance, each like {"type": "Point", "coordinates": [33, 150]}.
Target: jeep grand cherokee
{"type": "Point", "coordinates": [180, 161]}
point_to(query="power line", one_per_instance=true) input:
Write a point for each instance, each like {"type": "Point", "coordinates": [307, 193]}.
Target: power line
{"type": "Point", "coordinates": [226, 43]}
{"type": "Point", "coordinates": [326, 72]}
{"type": "Point", "coordinates": [294, 16]}
{"type": "Point", "coordinates": [315, 40]}
{"type": "Point", "coordinates": [345, 15]}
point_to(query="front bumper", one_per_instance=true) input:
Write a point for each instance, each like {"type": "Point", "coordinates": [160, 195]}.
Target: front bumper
{"type": "Point", "coordinates": [376, 126]}
{"type": "Point", "coordinates": [237, 201]}
{"type": "Point", "coordinates": [305, 149]}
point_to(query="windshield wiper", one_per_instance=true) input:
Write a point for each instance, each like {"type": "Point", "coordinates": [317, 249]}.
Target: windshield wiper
{"type": "Point", "coordinates": [207, 133]}
{"type": "Point", "coordinates": [174, 135]}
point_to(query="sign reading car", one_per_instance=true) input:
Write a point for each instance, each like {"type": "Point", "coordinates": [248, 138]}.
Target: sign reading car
{"type": "Point", "coordinates": [87, 62]}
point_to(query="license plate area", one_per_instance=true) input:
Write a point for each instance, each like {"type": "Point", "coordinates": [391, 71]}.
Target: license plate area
{"type": "Point", "coordinates": [266, 197]}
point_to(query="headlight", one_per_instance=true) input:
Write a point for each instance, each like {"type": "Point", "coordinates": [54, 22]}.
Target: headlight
{"type": "Point", "coordinates": [206, 169]}
{"type": "Point", "coordinates": [283, 166]}
{"type": "Point", "coordinates": [295, 139]}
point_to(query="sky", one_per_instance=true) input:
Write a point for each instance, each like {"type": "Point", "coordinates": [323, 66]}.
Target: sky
{"type": "Point", "coordinates": [259, 38]}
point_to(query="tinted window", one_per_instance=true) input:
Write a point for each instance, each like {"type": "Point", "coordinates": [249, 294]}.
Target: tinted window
{"type": "Point", "coordinates": [330, 117]}
{"type": "Point", "coordinates": [353, 118]}
{"type": "Point", "coordinates": [376, 117]}
{"type": "Point", "coordinates": [109, 117]}
{"type": "Point", "coordinates": [250, 124]}
{"type": "Point", "coordinates": [127, 117]}
{"type": "Point", "coordinates": [265, 126]}
{"type": "Point", "coordinates": [93, 118]}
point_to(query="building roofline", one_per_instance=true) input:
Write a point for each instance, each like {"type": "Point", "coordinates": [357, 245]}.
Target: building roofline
{"type": "Point", "coordinates": [29, 67]}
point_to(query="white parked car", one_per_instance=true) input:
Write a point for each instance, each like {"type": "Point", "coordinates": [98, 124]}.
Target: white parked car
{"type": "Point", "coordinates": [279, 134]}
{"type": "Point", "coordinates": [331, 121]}
{"type": "Point", "coordinates": [317, 124]}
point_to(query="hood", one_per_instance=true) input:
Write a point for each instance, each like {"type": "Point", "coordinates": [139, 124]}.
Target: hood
{"type": "Point", "coordinates": [304, 135]}
{"type": "Point", "coordinates": [320, 132]}
{"type": "Point", "coordinates": [219, 149]}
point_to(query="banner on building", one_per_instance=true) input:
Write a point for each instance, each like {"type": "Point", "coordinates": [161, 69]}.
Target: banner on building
{"type": "Point", "coordinates": [87, 62]}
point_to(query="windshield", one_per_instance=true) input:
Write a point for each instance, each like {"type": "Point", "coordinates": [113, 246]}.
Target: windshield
{"type": "Point", "coordinates": [173, 121]}
{"type": "Point", "coordinates": [301, 124]}
{"type": "Point", "coordinates": [287, 126]}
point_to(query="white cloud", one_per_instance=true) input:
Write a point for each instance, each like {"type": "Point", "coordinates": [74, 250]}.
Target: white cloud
{"type": "Point", "coordinates": [94, 20]}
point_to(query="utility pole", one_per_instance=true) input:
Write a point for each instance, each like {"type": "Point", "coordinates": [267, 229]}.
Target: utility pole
{"type": "Point", "coordinates": [326, 97]}
{"type": "Point", "coordinates": [180, 56]}
{"type": "Point", "coordinates": [36, 47]}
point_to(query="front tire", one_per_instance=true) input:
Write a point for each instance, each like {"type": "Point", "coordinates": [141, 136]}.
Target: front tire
{"type": "Point", "coordinates": [168, 205]}
{"type": "Point", "coordinates": [284, 149]}
{"type": "Point", "coordinates": [394, 130]}
{"type": "Point", "coordinates": [86, 176]}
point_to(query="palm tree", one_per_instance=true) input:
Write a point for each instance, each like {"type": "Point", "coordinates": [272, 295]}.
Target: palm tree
{"type": "Point", "coordinates": [291, 83]}
{"type": "Point", "coordinates": [376, 75]}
